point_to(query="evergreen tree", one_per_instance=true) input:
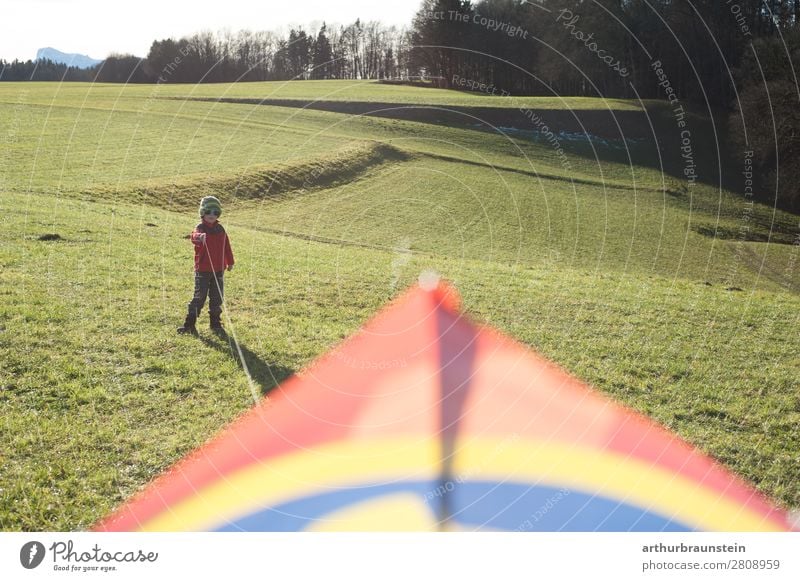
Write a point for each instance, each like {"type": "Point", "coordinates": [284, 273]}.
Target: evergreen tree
{"type": "Point", "coordinates": [298, 52]}
{"type": "Point", "coordinates": [322, 55]}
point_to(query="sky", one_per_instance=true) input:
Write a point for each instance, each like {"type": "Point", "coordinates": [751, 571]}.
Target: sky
{"type": "Point", "coordinates": [90, 27]}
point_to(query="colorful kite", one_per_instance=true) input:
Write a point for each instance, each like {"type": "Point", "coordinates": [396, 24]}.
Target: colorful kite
{"type": "Point", "coordinates": [424, 421]}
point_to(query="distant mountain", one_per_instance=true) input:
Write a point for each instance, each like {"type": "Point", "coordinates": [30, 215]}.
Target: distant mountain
{"type": "Point", "coordinates": [74, 60]}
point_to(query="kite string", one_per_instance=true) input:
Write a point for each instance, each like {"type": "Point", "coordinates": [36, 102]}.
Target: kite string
{"type": "Point", "coordinates": [251, 383]}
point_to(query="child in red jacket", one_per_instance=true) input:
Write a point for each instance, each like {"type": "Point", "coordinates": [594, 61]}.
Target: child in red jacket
{"type": "Point", "coordinates": [212, 257]}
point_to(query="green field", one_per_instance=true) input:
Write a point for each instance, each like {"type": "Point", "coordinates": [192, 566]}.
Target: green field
{"type": "Point", "coordinates": [345, 90]}
{"type": "Point", "coordinates": [681, 303]}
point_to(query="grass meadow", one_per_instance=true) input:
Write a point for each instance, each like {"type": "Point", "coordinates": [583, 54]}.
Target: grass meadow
{"type": "Point", "coordinates": [679, 302]}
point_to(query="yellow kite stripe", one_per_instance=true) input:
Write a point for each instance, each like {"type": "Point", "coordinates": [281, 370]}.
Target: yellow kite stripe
{"type": "Point", "coordinates": [355, 463]}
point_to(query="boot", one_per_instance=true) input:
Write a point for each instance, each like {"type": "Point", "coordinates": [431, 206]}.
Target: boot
{"type": "Point", "coordinates": [188, 325]}
{"type": "Point", "coordinates": [216, 323]}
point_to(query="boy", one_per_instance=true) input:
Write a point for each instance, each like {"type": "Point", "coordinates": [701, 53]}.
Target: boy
{"type": "Point", "coordinates": [212, 256]}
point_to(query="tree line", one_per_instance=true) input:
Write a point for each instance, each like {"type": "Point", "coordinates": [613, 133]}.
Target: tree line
{"type": "Point", "coordinates": [43, 70]}
{"type": "Point", "coordinates": [524, 47]}
{"type": "Point", "coordinates": [360, 50]}
{"type": "Point", "coordinates": [596, 47]}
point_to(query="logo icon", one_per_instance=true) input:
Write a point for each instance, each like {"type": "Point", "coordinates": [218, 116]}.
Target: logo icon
{"type": "Point", "coordinates": [31, 554]}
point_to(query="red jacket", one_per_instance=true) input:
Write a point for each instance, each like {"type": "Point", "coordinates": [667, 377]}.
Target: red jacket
{"type": "Point", "coordinates": [215, 254]}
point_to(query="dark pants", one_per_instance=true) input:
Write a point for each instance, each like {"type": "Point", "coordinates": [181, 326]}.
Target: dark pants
{"type": "Point", "coordinates": [207, 284]}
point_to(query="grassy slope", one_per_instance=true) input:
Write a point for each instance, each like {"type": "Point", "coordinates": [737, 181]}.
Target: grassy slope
{"type": "Point", "coordinates": [442, 207]}
{"type": "Point", "coordinates": [99, 395]}
{"type": "Point", "coordinates": [169, 152]}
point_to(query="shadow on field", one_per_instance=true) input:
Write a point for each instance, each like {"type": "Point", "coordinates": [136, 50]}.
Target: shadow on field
{"type": "Point", "coordinates": [656, 139]}
{"type": "Point", "coordinates": [265, 375]}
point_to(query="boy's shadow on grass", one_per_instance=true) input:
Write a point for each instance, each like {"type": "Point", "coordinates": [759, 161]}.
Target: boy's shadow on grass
{"type": "Point", "coordinates": [265, 375]}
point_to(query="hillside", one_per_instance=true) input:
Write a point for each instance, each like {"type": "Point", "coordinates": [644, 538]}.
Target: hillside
{"type": "Point", "coordinates": [583, 249]}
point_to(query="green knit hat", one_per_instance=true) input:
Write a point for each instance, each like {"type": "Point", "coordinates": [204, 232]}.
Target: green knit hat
{"type": "Point", "coordinates": [210, 203]}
